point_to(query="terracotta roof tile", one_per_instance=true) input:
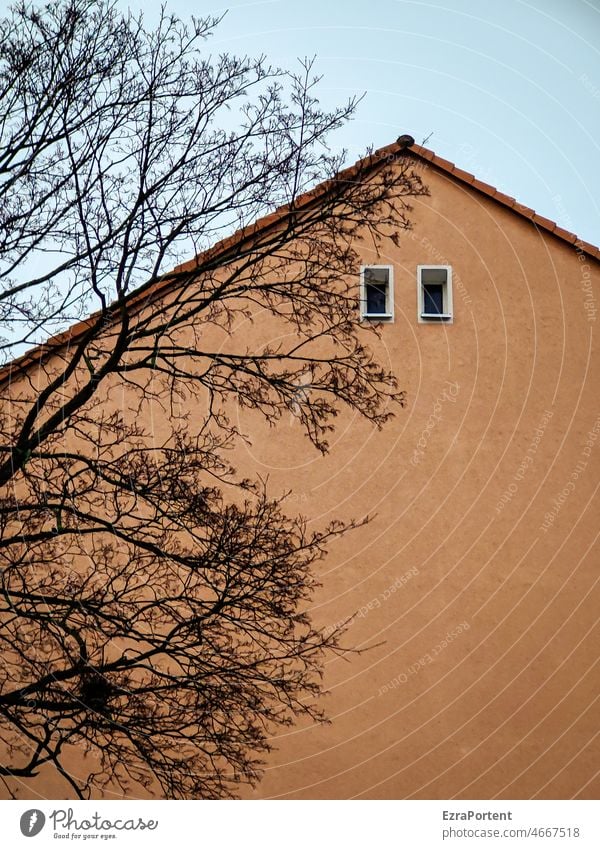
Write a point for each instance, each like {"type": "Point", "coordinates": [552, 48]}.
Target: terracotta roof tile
{"type": "Point", "coordinates": [426, 154]}
{"type": "Point", "coordinates": [507, 199]}
{"type": "Point", "coordinates": [527, 211]}
{"type": "Point", "coordinates": [384, 151]}
{"type": "Point", "coordinates": [546, 223]}
{"type": "Point", "coordinates": [464, 176]}
{"type": "Point", "coordinates": [485, 188]}
{"type": "Point", "coordinates": [444, 163]}
{"type": "Point", "coordinates": [565, 234]}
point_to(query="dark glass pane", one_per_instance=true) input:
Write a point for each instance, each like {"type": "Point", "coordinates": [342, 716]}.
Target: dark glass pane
{"type": "Point", "coordinates": [376, 298]}
{"type": "Point", "coordinates": [433, 298]}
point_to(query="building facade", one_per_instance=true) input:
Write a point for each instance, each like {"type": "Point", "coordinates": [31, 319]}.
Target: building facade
{"type": "Point", "coordinates": [472, 592]}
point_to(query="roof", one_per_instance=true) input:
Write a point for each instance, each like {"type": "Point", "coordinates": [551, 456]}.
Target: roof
{"type": "Point", "coordinates": [405, 145]}
{"type": "Point", "coordinates": [469, 179]}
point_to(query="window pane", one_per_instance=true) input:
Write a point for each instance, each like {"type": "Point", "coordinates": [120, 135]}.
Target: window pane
{"type": "Point", "coordinates": [434, 275]}
{"type": "Point", "coordinates": [376, 299]}
{"type": "Point", "coordinates": [380, 276]}
{"type": "Point", "coordinates": [376, 290]}
{"type": "Point", "coordinates": [433, 299]}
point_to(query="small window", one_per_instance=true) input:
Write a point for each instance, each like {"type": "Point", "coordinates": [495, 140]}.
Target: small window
{"type": "Point", "coordinates": [434, 293]}
{"type": "Point", "coordinates": [377, 292]}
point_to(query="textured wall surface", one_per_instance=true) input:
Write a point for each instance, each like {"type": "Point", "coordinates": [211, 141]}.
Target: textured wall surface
{"type": "Point", "coordinates": [473, 588]}
{"type": "Point", "coordinates": [475, 583]}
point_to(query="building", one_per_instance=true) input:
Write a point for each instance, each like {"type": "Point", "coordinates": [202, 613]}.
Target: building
{"type": "Point", "coordinates": [474, 586]}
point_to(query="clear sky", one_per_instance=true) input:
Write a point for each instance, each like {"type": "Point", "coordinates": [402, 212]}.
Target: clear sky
{"type": "Point", "coordinates": [508, 89]}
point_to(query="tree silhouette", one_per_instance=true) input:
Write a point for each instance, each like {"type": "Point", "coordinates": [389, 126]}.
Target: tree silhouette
{"type": "Point", "coordinates": [154, 603]}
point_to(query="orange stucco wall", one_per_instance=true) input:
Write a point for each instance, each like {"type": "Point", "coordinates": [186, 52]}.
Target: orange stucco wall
{"type": "Point", "coordinates": [474, 585]}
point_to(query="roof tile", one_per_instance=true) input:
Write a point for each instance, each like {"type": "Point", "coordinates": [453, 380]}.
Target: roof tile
{"type": "Point", "coordinates": [444, 163]}
{"type": "Point", "coordinates": [507, 199]}
{"type": "Point", "coordinates": [464, 176]}
{"type": "Point", "coordinates": [527, 211]}
{"type": "Point", "coordinates": [546, 223]}
{"type": "Point", "coordinates": [486, 188]}
{"type": "Point", "coordinates": [425, 153]}
{"type": "Point", "coordinates": [565, 234]}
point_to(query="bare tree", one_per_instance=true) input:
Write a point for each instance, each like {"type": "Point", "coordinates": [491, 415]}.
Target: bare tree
{"type": "Point", "coordinates": [154, 603]}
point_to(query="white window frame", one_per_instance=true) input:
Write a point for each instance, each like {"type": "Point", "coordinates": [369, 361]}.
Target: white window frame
{"type": "Point", "coordinates": [447, 317]}
{"type": "Point", "coordinates": [388, 316]}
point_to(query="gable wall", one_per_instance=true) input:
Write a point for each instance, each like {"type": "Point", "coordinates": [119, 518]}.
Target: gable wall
{"type": "Point", "coordinates": [474, 582]}
{"type": "Point", "coordinates": [479, 567]}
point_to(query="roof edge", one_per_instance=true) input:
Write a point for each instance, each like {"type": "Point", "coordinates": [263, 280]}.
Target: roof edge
{"type": "Point", "coordinates": [492, 192]}
{"type": "Point", "coordinates": [405, 144]}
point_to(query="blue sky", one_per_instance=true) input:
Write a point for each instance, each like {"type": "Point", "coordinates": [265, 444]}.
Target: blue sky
{"type": "Point", "coordinates": [508, 90]}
